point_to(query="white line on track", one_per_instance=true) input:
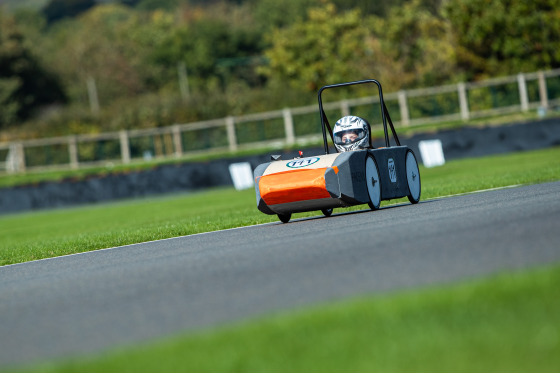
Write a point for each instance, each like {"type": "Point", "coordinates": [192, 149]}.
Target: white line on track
{"type": "Point", "coordinates": [478, 191]}
{"type": "Point", "coordinates": [131, 244]}
{"type": "Point", "coordinates": [237, 228]}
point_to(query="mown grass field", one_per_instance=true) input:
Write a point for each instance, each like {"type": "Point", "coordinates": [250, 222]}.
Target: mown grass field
{"type": "Point", "coordinates": [38, 235]}
{"type": "Point", "coordinates": [506, 323]}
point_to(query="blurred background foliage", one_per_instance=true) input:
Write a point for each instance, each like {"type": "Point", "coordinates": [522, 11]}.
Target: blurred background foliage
{"type": "Point", "coordinates": [89, 66]}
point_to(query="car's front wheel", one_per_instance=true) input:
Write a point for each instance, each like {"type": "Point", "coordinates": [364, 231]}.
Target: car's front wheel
{"type": "Point", "coordinates": [285, 218]}
{"type": "Point", "coordinates": [327, 212]}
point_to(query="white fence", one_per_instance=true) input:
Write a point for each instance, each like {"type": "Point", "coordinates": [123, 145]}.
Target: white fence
{"type": "Point", "coordinates": [461, 102]}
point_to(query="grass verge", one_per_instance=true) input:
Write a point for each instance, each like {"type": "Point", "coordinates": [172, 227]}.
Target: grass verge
{"type": "Point", "coordinates": [37, 235]}
{"type": "Point", "coordinates": [506, 323]}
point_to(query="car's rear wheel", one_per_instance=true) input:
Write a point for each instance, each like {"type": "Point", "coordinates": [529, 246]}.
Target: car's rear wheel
{"type": "Point", "coordinates": [413, 178]}
{"type": "Point", "coordinates": [285, 218]}
{"type": "Point", "coordinates": [373, 183]}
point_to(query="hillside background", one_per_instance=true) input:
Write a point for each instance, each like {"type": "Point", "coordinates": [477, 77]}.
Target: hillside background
{"type": "Point", "coordinates": [86, 66]}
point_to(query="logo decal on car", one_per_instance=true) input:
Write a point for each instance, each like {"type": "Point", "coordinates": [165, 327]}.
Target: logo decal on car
{"type": "Point", "coordinates": [303, 162]}
{"type": "Point", "coordinates": [392, 170]}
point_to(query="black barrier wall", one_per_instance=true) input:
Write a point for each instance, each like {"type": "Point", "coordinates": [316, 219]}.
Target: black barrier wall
{"type": "Point", "coordinates": [463, 143]}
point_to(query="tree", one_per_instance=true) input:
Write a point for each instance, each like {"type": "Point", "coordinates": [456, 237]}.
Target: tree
{"type": "Point", "coordinates": [59, 9]}
{"type": "Point", "coordinates": [211, 49]}
{"type": "Point", "coordinates": [25, 84]}
{"type": "Point", "coordinates": [10, 107]}
{"type": "Point", "coordinates": [327, 47]}
{"type": "Point", "coordinates": [368, 7]}
{"type": "Point", "coordinates": [409, 47]}
{"type": "Point", "coordinates": [271, 14]}
{"type": "Point", "coordinates": [157, 4]}
{"type": "Point", "coordinates": [414, 47]}
{"type": "Point", "coordinates": [498, 37]}
{"type": "Point", "coordinates": [95, 46]}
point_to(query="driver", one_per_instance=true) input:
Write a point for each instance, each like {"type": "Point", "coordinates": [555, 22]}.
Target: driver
{"type": "Point", "coordinates": [351, 133]}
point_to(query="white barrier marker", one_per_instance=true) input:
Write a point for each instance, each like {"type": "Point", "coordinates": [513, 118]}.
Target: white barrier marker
{"type": "Point", "coordinates": [242, 175]}
{"type": "Point", "coordinates": [431, 152]}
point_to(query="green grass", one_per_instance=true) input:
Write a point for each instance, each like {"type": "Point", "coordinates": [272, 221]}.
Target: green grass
{"type": "Point", "coordinates": [44, 234]}
{"type": "Point", "coordinates": [507, 323]}
{"type": "Point", "coordinates": [37, 235]}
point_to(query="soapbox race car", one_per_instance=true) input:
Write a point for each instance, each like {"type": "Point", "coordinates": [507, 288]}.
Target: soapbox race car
{"type": "Point", "coordinates": [324, 182]}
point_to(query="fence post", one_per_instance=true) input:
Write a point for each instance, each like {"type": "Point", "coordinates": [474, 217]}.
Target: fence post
{"type": "Point", "coordinates": [543, 93]}
{"type": "Point", "coordinates": [344, 108]}
{"type": "Point", "coordinates": [73, 152]}
{"type": "Point", "coordinates": [289, 126]}
{"type": "Point", "coordinates": [230, 127]}
{"type": "Point", "coordinates": [183, 80]}
{"type": "Point", "coordinates": [463, 102]}
{"type": "Point", "coordinates": [11, 160]}
{"type": "Point", "coordinates": [125, 148]}
{"type": "Point", "coordinates": [93, 98]}
{"type": "Point", "coordinates": [16, 158]}
{"type": "Point", "coordinates": [177, 142]}
{"type": "Point", "coordinates": [403, 106]}
{"type": "Point", "coordinates": [523, 97]}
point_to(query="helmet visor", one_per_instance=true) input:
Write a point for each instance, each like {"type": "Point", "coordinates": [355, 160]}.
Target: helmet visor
{"type": "Point", "coordinates": [348, 136]}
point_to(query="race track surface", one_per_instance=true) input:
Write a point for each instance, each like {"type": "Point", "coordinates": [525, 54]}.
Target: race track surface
{"type": "Point", "coordinates": [98, 300]}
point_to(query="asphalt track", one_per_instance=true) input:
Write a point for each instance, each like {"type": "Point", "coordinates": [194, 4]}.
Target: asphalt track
{"type": "Point", "coordinates": [99, 300]}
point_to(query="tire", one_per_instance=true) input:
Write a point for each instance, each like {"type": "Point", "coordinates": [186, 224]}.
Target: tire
{"type": "Point", "coordinates": [285, 218]}
{"type": "Point", "coordinates": [373, 183]}
{"type": "Point", "coordinates": [327, 212]}
{"type": "Point", "coordinates": [413, 178]}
